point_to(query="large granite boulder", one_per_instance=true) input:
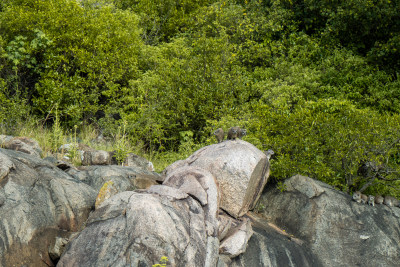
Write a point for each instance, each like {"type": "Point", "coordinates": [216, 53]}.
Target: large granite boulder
{"type": "Point", "coordinates": [338, 231]}
{"type": "Point", "coordinates": [240, 169]}
{"type": "Point", "coordinates": [138, 228]}
{"type": "Point", "coordinates": [41, 204]}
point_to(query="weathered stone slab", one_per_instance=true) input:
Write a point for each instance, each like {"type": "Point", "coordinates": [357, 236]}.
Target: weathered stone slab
{"type": "Point", "coordinates": [40, 204]}
{"type": "Point", "coordinates": [137, 229]}
{"type": "Point", "coordinates": [241, 170]}
{"type": "Point", "coordinates": [201, 185]}
{"type": "Point", "coordinates": [236, 242]}
{"type": "Point", "coordinates": [338, 230]}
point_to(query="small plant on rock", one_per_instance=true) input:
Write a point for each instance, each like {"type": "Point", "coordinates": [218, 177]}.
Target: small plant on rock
{"type": "Point", "coordinates": [163, 262]}
{"type": "Point", "coordinates": [122, 145]}
{"type": "Point", "coordinates": [281, 186]}
{"type": "Point", "coordinates": [74, 153]}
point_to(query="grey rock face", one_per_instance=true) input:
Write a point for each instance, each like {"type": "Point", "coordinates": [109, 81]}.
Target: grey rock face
{"type": "Point", "coordinates": [5, 138]}
{"type": "Point", "coordinates": [122, 177]}
{"type": "Point", "coordinates": [23, 144]}
{"type": "Point", "coordinates": [137, 162]}
{"type": "Point", "coordinates": [391, 201]}
{"type": "Point", "coordinates": [241, 171]}
{"type": "Point", "coordinates": [268, 247]}
{"type": "Point", "coordinates": [137, 229]}
{"type": "Point", "coordinates": [97, 157]}
{"type": "Point", "coordinates": [6, 165]}
{"type": "Point", "coordinates": [236, 243]}
{"type": "Point", "coordinates": [201, 185]}
{"type": "Point", "coordinates": [339, 231]}
{"type": "Point", "coordinates": [41, 203]}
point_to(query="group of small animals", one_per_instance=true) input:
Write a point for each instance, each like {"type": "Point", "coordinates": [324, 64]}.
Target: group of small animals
{"type": "Point", "coordinates": [378, 199]}
{"type": "Point", "coordinates": [233, 133]}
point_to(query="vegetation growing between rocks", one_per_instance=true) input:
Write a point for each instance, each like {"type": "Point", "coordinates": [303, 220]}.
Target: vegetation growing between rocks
{"type": "Point", "coordinates": [316, 82]}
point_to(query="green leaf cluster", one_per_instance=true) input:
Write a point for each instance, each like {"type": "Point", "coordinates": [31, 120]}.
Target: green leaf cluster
{"type": "Point", "coordinates": [67, 53]}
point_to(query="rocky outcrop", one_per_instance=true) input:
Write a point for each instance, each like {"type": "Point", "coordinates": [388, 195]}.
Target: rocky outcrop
{"type": "Point", "coordinates": [90, 156]}
{"type": "Point", "coordinates": [270, 246]}
{"type": "Point", "coordinates": [241, 171]}
{"type": "Point", "coordinates": [40, 204]}
{"type": "Point", "coordinates": [137, 229]}
{"type": "Point", "coordinates": [106, 191]}
{"type": "Point", "coordinates": [137, 162]}
{"type": "Point", "coordinates": [236, 243]}
{"type": "Point", "coordinates": [202, 186]}
{"type": "Point", "coordinates": [6, 165]}
{"type": "Point", "coordinates": [338, 231]}
{"type": "Point", "coordinates": [198, 216]}
{"type": "Point", "coordinates": [97, 157]}
{"type": "Point", "coordinates": [187, 204]}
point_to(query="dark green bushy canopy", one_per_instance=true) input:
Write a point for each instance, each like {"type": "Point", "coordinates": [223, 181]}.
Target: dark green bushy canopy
{"type": "Point", "coordinates": [316, 81]}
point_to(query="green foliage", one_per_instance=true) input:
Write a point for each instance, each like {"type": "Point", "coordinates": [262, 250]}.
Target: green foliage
{"type": "Point", "coordinates": [122, 145]}
{"type": "Point", "coordinates": [70, 54]}
{"type": "Point", "coordinates": [14, 113]}
{"type": "Point", "coordinates": [362, 26]}
{"type": "Point", "coordinates": [161, 20]}
{"type": "Point", "coordinates": [326, 139]}
{"type": "Point", "coordinates": [163, 262]}
{"type": "Point", "coordinates": [316, 81]}
{"type": "Point", "coordinates": [57, 133]}
{"type": "Point", "coordinates": [185, 84]}
{"type": "Point", "coordinates": [281, 186]}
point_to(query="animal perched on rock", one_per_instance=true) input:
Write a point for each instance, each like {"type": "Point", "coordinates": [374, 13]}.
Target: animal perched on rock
{"type": "Point", "coordinates": [219, 135]}
{"type": "Point", "coordinates": [378, 199]}
{"type": "Point", "coordinates": [242, 133]}
{"type": "Point", "coordinates": [364, 199]}
{"type": "Point", "coordinates": [390, 201]}
{"type": "Point", "coordinates": [233, 133]}
{"type": "Point", "coordinates": [360, 198]}
{"type": "Point", "coordinates": [269, 153]}
{"type": "Point", "coordinates": [371, 200]}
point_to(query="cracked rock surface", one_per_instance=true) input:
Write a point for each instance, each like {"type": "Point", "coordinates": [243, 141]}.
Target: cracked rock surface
{"type": "Point", "coordinates": [138, 228]}
{"type": "Point", "coordinates": [338, 231]}
{"type": "Point", "coordinates": [40, 203]}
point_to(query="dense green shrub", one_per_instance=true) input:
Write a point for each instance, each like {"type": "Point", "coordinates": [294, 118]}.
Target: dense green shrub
{"type": "Point", "coordinates": [362, 26]}
{"type": "Point", "coordinates": [315, 81]}
{"type": "Point", "coordinates": [162, 20]}
{"type": "Point", "coordinates": [325, 139]}
{"type": "Point", "coordinates": [68, 53]}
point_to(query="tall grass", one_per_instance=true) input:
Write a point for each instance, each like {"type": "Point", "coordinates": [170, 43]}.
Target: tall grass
{"type": "Point", "coordinates": [50, 139]}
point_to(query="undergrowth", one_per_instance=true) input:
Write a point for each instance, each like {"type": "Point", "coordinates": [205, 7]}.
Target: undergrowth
{"type": "Point", "coordinates": [51, 138]}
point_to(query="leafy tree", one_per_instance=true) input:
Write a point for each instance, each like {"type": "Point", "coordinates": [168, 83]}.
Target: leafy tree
{"type": "Point", "coordinates": [362, 26]}
{"type": "Point", "coordinates": [161, 20]}
{"type": "Point", "coordinates": [70, 54]}
{"type": "Point", "coordinates": [328, 140]}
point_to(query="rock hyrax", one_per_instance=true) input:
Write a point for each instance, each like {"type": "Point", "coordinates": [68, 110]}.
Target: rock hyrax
{"type": "Point", "coordinates": [219, 135]}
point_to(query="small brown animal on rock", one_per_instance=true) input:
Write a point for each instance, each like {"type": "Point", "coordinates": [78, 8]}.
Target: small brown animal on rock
{"type": "Point", "coordinates": [233, 133]}
{"type": "Point", "coordinates": [219, 135]}
{"type": "Point", "coordinates": [371, 200]}
{"type": "Point", "coordinates": [360, 198]}
{"type": "Point", "coordinates": [378, 199]}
